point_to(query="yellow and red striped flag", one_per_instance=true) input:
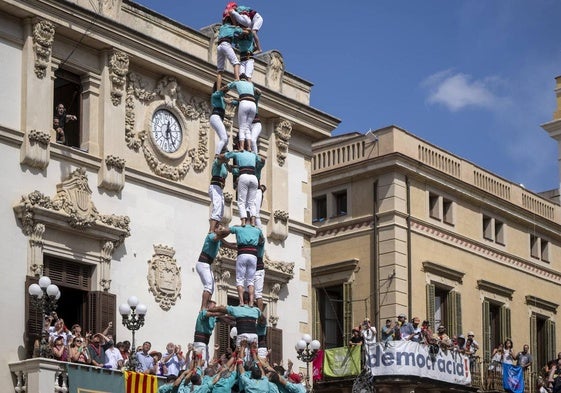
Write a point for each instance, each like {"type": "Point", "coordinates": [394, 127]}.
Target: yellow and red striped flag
{"type": "Point", "coordinates": [140, 383]}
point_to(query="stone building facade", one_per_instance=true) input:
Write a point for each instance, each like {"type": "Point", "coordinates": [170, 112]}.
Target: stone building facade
{"type": "Point", "coordinates": [116, 212]}
{"type": "Point", "coordinates": [404, 226]}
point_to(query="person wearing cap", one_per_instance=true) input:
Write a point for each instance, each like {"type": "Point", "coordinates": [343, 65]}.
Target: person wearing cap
{"type": "Point", "coordinates": [405, 328]}
{"type": "Point", "coordinates": [356, 338]}
{"type": "Point", "coordinates": [388, 332]}
{"type": "Point", "coordinates": [246, 109]}
{"type": "Point", "coordinates": [368, 332]}
{"type": "Point", "coordinates": [96, 354]}
{"type": "Point", "coordinates": [442, 338]}
{"type": "Point", "coordinates": [474, 345]}
{"type": "Point", "coordinates": [113, 357]}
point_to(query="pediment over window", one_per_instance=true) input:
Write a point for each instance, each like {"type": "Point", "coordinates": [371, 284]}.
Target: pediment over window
{"type": "Point", "coordinates": [71, 209]}
{"type": "Point", "coordinates": [541, 303]}
{"type": "Point", "coordinates": [443, 271]}
{"type": "Point", "coordinates": [495, 288]}
{"type": "Point", "coordinates": [69, 220]}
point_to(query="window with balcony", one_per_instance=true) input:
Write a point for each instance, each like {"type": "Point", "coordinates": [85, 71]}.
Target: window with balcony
{"type": "Point", "coordinates": [92, 310]}
{"type": "Point", "coordinates": [67, 95]}
{"type": "Point", "coordinates": [495, 315]}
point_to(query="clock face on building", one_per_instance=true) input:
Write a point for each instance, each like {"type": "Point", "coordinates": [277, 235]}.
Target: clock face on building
{"type": "Point", "coordinates": [166, 131]}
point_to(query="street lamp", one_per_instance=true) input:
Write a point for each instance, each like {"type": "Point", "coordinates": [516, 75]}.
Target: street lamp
{"type": "Point", "coordinates": [307, 350]}
{"type": "Point", "coordinates": [133, 319]}
{"type": "Point", "coordinates": [44, 297]}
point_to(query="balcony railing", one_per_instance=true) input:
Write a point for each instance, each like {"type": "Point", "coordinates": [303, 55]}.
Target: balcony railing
{"type": "Point", "coordinates": [41, 375]}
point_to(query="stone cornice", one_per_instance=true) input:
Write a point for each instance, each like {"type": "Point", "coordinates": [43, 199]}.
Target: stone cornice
{"type": "Point", "coordinates": [443, 271]}
{"type": "Point", "coordinates": [486, 252]}
{"type": "Point", "coordinates": [488, 286]}
{"type": "Point", "coordinates": [343, 228]}
{"type": "Point", "coordinates": [541, 303]}
{"type": "Point", "coordinates": [348, 266]}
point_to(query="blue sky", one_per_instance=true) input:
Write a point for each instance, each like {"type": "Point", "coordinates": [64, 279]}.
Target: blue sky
{"type": "Point", "coordinates": [475, 77]}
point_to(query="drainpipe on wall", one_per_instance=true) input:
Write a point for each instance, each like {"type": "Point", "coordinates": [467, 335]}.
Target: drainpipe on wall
{"type": "Point", "coordinates": [374, 253]}
{"type": "Point", "coordinates": [409, 271]}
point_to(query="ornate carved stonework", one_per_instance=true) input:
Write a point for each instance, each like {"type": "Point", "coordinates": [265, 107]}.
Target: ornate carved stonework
{"type": "Point", "coordinates": [275, 69]}
{"type": "Point", "coordinates": [43, 37]}
{"type": "Point", "coordinates": [279, 225]}
{"type": "Point", "coordinates": [112, 173]}
{"type": "Point", "coordinates": [164, 276]}
{"type": "Point", "coordinates": [35, 150]}
{"type": "Point", "coordinates": [71, 209]}
{"type": "Point", "coordinates": [73, 205]}
{"type": "Point", "coordinates": [169, 92]}
{"type": "Point", "coordinates": [227, 216]}
{"type": "Point", "coordinates": [118, 69]}
{"type": "Point", "coordinates": [283, 130]}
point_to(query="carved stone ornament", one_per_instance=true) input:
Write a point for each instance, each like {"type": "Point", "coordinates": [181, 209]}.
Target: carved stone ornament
{"type": "Point", "coordinates": [35, 149]}
{"type": "Point", "coordinates": [164, 276]}
{"type": "Point", "coordinates": [43, 37]}
{"type": "Point", "coordinates": [283, 131]}
{"type": "Point", "coordinates": [275, 69]}
{"type": "Point", "coordinates": [279, 225]}
{"type": "Point", "coordinates": [118, 69]}
{"type": "Point", "coordinates": [72, 206]}
{"type": "Point", "coordinates": [70, 210]}
{"type": "Point", "coordinates": [168, 93]}
{"type": "Point", "coordinates": [112, 173]}
{"type": "Point", "coordinates": [227, 216]}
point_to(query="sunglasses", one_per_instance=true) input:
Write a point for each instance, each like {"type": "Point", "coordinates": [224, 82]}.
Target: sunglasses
{"type": "Point", "coordinates": [79, 341]}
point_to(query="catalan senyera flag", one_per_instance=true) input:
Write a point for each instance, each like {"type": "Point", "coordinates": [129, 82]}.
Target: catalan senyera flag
{"type": "Point", "coordinates": [140, 383]}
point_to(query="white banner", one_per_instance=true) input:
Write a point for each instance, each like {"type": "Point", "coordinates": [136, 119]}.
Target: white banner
{"type": "Point", "coordinates": [410, 358]}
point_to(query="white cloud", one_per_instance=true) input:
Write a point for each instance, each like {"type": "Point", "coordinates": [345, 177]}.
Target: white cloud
{"type": "Point", "coordinates": [458, 90]}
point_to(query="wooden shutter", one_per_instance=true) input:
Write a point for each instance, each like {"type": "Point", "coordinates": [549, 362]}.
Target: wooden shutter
{"type": "Point", "coordinates": [505, 323]}
{"type": "Point", "coordinates": [454, 313]}
{"type": "Point", "coordinates": [430, 305]}
{"type": "Point", "coordinates": [534, 338]}
{"type": "Point", "coordinates": [221, 336]}
{"type": "Point", "coordinates": [550, 339]}
{"type": "Point", "coordinates": [69, 274]}
{"type": "Point", "coordinates": [101, 310]}
{"type": "Point", "coordinates": [274, 343]}
{"type": "Point", "coordinates": [486, 331]}
{"type": "Point", "coordinates": [347, 311]}
{"type": "Point", "coordinates": [33, 318]}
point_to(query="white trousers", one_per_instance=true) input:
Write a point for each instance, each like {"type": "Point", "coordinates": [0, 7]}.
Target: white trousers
{"type": "Point", "coordinates": [223, 52]}
{"type": "Point", "coordinates": [247, 188]}
{"type": "Point", "coordinates": [246, 114]}
{"type": "Point", "coordinates": [217, 200]}
{"type": "Point", "coordinates": [207, 278]}
{"type": "Point", "coordinates": [258, 283]}
{"type": "Point", "coordinates": [246, 67]}
{"type": "Point", "coordinates": [245, 270]}
{"type": "Point", "coordinates": [218, 126]}
{"type": "Point", "coordinates": [255, 132]}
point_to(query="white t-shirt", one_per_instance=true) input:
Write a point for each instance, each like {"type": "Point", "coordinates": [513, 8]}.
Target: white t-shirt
{"type": "Point", "coordinates": [112, 357]}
